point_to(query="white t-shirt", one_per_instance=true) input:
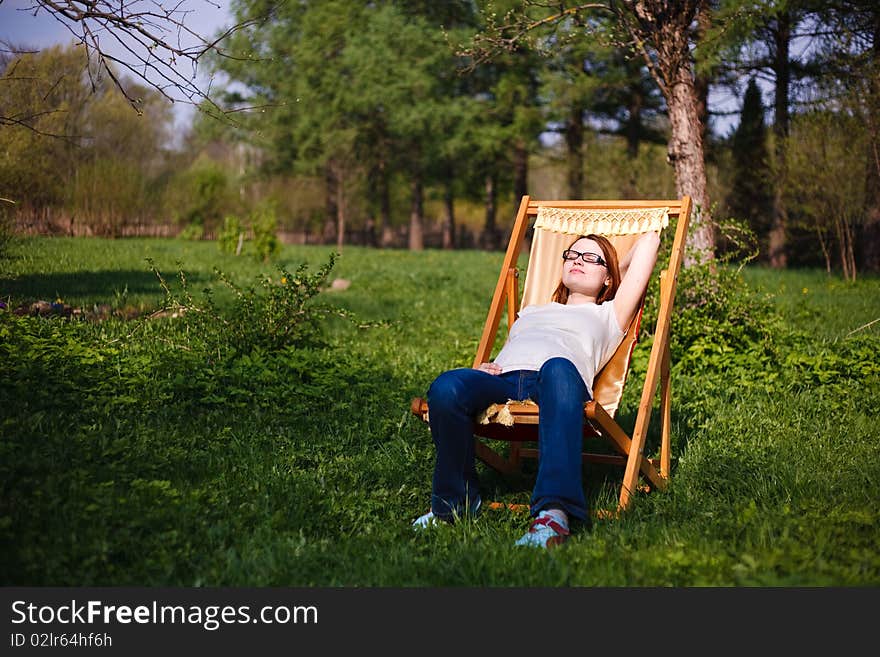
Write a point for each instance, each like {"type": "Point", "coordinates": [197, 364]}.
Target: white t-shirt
{"type": "Point", "coordinates": [587, 334]}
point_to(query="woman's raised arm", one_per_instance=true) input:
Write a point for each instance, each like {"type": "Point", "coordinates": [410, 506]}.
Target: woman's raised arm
{"type": "Point", "coordinates": [635, 270]}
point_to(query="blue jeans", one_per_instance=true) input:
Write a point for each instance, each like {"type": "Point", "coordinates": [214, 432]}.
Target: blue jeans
{"type": "Point", "coordinates": [457, 396]}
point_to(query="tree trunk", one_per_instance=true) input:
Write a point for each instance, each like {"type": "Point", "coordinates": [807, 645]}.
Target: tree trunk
{"type": "Point", "coordinates": [340, 210]}
{"type": "Point", "coordinates": [850, 251]}
{"type": "Point", "coordinates": [685, 152]}
{"type": "Point", "coordinates": [664, 28]}
{"type": "Point", "coordinates": [782, 67]}
{"type": "Point", "coordinates": [701, 81]}
{"type": "Point", "coordinates": [870, 233]}
{"type": "Point", "coordinates": [843, 232]}
{"type": "Point", "coordinates": [520, 172]}
{"type": "Point", "coordinates": [636, 101]}
{"type": "Point", "coordinates": [372, 193]}
{"type": "Point", "coordinates": [574, 141]}
{"type": "Point", "coordinates": [383, 193]}
{"type": "Point", "coordinates": [448, 214]}
{"type": "Point", "coordinates": [490, 232]}
{"type": "Point", "coordinates": [330, 199]}
{"type": "Point", "coordinates": [826, 252]}
{"type": "Point", "coordinates": [416, 214]}
{"type": "Point", "coordinates": [634, 123]}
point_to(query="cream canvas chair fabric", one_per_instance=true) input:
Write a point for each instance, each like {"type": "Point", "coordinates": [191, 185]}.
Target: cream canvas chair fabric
{"type": "Point", "coordinates": [556, 224]}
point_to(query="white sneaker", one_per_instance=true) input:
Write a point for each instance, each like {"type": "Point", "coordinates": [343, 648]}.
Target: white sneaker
{"type": "Point", "coordinates": [545, 532]}
{"type": "Point", "coordinates": [426, 521]}
{"type": "Point", "coordinates": [430, 520]}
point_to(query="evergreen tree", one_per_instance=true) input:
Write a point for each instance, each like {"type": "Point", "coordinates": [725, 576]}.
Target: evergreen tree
{"type": "Point", "coordinates": [357, 91]}
{"type": "Point", "coordinates": [751, 195]}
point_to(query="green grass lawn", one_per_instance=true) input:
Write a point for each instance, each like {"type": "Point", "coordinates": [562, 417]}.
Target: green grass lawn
{"type": "Point", "coordinates": [130, 455]}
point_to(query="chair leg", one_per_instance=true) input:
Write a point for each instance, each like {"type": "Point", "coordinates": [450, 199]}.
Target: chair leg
{"type": "Point", "coordinates": [515, 458]}
{"type": "Point", "coordinates": [666, 418]}
{"type": "Point", "coordinates": [493, 459]}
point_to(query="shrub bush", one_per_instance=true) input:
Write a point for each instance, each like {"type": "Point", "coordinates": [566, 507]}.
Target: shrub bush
{"type": "Point", "coordinates": [192, 232]}
{"type": "Point", "coordinates": [718, 318]}
{"type": "Point", "coordinates": [230, 235]}
{"type": "Point", "coordinates": [201, 195]}
{"type": "Point", "coordinates": [274, 315]}
{"type": "Point", "coordinates": [264, 222]}
{"type": "Point", "coordinates": [5, 228]}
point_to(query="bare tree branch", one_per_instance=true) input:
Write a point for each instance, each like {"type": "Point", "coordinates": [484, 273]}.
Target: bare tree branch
{"type": "Point", "coordinates": [28, 122]}
{"type": "Point", "coordinates": [149, 39]}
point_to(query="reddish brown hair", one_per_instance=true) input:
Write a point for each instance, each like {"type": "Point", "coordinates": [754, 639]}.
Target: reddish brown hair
{"type": "Point", "coordinates": [560, 295]}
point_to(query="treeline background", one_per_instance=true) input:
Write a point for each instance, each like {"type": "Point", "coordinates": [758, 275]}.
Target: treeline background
{"type": "Point", "coordinates": [372, 123]}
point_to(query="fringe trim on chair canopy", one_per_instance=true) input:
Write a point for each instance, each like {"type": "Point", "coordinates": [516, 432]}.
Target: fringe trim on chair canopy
{"type": "Point", "coordinates": [601, 221]}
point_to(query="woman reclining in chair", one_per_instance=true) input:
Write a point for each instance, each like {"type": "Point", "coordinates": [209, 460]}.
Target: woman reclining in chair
{"type": "Point", "coordinates": [551, 356]}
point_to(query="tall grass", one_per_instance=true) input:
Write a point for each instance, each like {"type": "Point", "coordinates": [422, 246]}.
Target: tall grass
{"type": "Point", "coordinates": [130, 457]}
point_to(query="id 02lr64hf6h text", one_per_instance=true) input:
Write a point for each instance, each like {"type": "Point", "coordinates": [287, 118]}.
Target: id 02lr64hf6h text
{"type": "Point", "coordinates": [63, 640]}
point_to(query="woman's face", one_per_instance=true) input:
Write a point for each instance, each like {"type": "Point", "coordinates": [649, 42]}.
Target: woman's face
{"type": "Point", "coordinates": [585, 278]}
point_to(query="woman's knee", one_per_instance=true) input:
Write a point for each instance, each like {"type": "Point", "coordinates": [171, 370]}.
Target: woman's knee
{"type": "Point", "coordinates": [560, 379]}
{"type": "Point", "coordinates": [559, 369]}
{"type": "Point", "coordinates": [447, 391]}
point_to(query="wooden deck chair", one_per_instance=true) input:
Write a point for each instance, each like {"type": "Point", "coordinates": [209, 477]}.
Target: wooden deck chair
{"type": "Point", "coordinates": [556, 225]}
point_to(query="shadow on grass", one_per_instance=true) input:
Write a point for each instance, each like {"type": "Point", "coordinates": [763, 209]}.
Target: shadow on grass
{"type": "Point", "coordinates": [601, 481]}
{"type": "Point", "coordinates": [88, 287]}
{"type": "Point", "coordinates": [167, 469]}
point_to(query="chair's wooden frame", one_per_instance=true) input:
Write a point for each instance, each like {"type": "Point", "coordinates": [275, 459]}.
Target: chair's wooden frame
{"type": "Point", "coordinates": [600, 422]}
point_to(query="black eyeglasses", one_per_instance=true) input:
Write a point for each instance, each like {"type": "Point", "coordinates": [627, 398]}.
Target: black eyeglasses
{"type": "Point", "coordinates": [589, 258]}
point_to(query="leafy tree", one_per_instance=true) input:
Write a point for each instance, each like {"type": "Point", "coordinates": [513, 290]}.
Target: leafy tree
{"type": "Point", "coordinates": [509, 133]}
{"type": "Point", "coordinates": [398, 94]}
{"type": "Point", "coordinates": [201, 196]}
{"type": "Point", "coordinates": [461, 107]}
{"type": "Point", "coordinates": [73, 148]}
{"type": "Point", "coordinates": [121, 155]}
{"type": "Point", "coordinates": [826, 182]}
{"type": "Point", "coordinates": [755, 39]}
{"type": "Point", "coordinates": [357, 91]}
{"type": "Point", "coordinates": [43, 100]}
{"type": "Point", "coordinates": [849, 61]}
{"type": "Point", "coordinates": [292, 62]}
{"type": "Point", "coordinates": [498, 118]}
{"type": "Point", "coordinates": [597, 79]}
{"type": "Point", "coordinates": [569, 91]}
{"type": "Point", "coordinates": [6, 232]}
